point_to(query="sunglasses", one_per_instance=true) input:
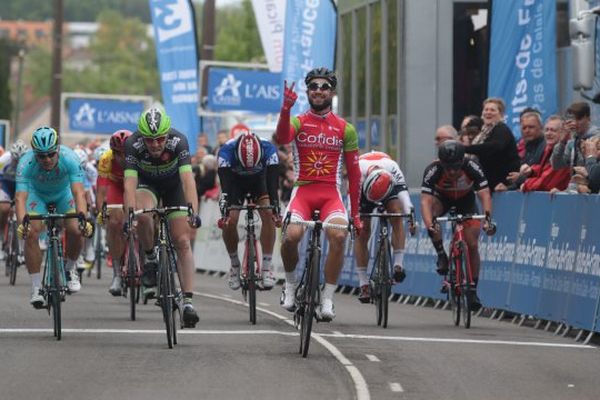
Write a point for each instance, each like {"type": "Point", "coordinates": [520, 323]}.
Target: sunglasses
{"type": "Point", "coordinates": [319, 86]}
{"type": "Point", "coordinates": [159, 140]}
{"type": "Point", "coordinates": [42, 156]}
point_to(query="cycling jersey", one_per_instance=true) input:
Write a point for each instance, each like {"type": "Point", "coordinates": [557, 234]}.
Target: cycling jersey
{"type": "Point", "coordinates": [90, 175]}
{"type": "Point", "coordinates": [399, 191]}
{"type": "Point", "coordinates": [228, 159]}
{"type": "Point", "coordinates": [320, 143]}
{"type": "Point", "coordinates": [8, 172]}
{"type": "Point", "coordinates": [436, 181]}
{"type": "Point", "coordinates": [53, 186]}
{"type": "Point", "coordinates": [109, 169]}
{"type": "Point", "coordinates": [161, 171]}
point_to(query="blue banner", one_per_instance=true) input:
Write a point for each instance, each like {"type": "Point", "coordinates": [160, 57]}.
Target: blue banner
{"type": "Point", "coordinates": [523, 57]}
{"type": "Point", "coordinates": [309, 42]}
{"type": "Point", "coordinates": [258, 92]}
{"type": "Point", "coordinates": [4, 132]}
{"type": "Point", "coordinates": [103, 116]}
{"type": "Point", "coordinates": [175, 38]}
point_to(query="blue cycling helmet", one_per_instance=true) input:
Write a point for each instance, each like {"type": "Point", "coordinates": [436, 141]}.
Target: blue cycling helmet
{"type": "Point", "coordinates": [44, 140]}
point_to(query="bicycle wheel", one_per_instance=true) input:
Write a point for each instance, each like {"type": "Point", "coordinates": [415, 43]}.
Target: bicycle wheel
{"type": "Point", "coordinates": [99, 254]}
{"type": "Point", "coordinates": [13, 252]}
{"type": "Point", "coordinates": [54, 292]}
{"type": "Point", "coordinates": [251, 271]}
{"type": "Point", "coordinates": [131, 279]}
{"type": "Point", "coordinates": [165, 295]}
{"type": "Point", "coordinates": [465, 286]}
{"type": "Point", "coordinates": [310, 301]}
{"type": "Point", "coordinates": [454, 295]}
{"type": "Point", "coordinates": [386, 288]}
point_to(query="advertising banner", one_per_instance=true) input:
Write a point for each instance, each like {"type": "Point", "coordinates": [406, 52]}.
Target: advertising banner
{"type": "Point", "coordinates": [102, 115]}
{"type": "Point", "coordinates": [175, 39]}
{"type": "Point", "coordinates": [4, 132]}
{"type": "Point", "coordinates": [231, 89]}
{"type": "Point", "coordinates": [270, 18]}
{"type": "Point", "coordinates": [309, 42]}
{"type": "Point", "coordinates": [522, 68]}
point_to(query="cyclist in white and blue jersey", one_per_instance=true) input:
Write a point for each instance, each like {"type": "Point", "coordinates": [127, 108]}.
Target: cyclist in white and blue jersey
{"type": "Point", "coordinates": [8, 171]}
{"type": "Point", "coordinates": [249, 164]}
{"type": "Point", "coordinates": [90, 175]}
{"type": "Point", "coordinates": [51, 173]}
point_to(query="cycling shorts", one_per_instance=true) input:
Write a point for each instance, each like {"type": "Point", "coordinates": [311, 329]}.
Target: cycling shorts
{"type": "Point", "coordinates": [7, 190]}
{"type": "Point", "coordinates": [37, 204]}
{"type": "Point", "coordinates": [168, 196]}
{"type": "Point", "coordinates": [322, 196]}
{"type": "Point", "coordinates": [254, 184]}
{"type": "Point", "coordinates": [464, 205]}
{"type": "Point", "coordinates": [114, 192]}
{"type": "Point", "coordinates": [367, 206]}
{"type": "Point", "coordinates": [4, 196]}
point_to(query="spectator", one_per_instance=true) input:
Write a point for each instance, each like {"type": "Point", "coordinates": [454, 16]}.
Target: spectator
{"type": "Point", "coordinates": [203, 142]}
{"type": "Point", "coordinates": [592, 163]}
{"type": "Point", "coordinates": [472, 128]}
{"type": "Point", "coordinates": [222, 138]}
{"type": "Point", "coordinates": [495, 145]}
{"type": "Point", "coordinates": [567, 153]}
{"type": "Point", "coordinates": [467, 119]}
{"type": "Point", "coordinates": [443, 133]}
{"type": "Point", "coordinates": [533, 136]}
{"type": "Point", "coordinates": [541, 176]}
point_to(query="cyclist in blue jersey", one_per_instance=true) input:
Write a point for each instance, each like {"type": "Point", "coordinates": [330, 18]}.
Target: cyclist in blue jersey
{"type": "Point", "coordinates": [249, 164]}
{"type": "Point", "coordinates": [51, 173]}
{"type": "Point", "coordinates": [8, 171]}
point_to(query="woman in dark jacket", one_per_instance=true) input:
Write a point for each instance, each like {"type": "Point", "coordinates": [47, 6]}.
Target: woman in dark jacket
{"type": "Point", "coordinates": [495, 146]}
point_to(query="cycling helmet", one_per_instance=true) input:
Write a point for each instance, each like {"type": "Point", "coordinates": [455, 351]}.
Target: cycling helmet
{"type": "Point", "coordinates": [321, 72]}
{"type": "Point", "coordinates": [117, 140]}
{"type": "Point", "coordinates": [378, 185]}
{"type": "Point", "coordinates": [451, 153]}
{"type": "Point", "coordinates": [81, 155]}
{"type": "Point", "coordinates": [44, 140]}
{"type": "Point", "coordinates": [248, 150]}
{"type": "Point", "coordinates": [154, 123]}
{"type": "Point", "coordinates": [18, 148]}
{"type": "Point", "coordinates": [100, 150]}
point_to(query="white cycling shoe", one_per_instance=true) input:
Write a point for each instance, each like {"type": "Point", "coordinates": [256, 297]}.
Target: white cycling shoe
{"type": "Point", "coordinates": [37, 300]}
{"type": "Point", "coordinates": [327, 310]}
{"type": "Point", "coordinates": [287, 296]}
{"type": "Point", "coordinates": [73, 284]}
{"type": "Point", "coordinates": [268, 279]}
{"type": "Point", "coordinates": [234, 279]}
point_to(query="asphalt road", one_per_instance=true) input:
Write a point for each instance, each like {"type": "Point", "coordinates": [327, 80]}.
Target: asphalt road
{"type": "Point", "coordinates": [421, 355]}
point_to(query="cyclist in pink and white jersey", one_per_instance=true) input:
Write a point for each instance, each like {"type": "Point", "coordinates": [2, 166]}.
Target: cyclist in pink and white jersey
{"type": "Point", "coordinates": [321, 143]}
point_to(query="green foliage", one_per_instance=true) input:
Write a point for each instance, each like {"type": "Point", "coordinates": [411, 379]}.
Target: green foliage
{"type": "Point", "coordinates": [74, 10]}
{"type": "Point", "coordinates": [6, 106]}
{"type": "Point", "coordinates": [123, 61]}
{"type": "Point", "coordinates": [237, 36]}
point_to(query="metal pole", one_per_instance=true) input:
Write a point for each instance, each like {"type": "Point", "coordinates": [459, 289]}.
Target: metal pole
{"type": "Point", "coordinates": [56, 63]}
{"type": "Point", "coordinates": [19, 94]}
{"type": "Point", "coordinates": [208, 40]}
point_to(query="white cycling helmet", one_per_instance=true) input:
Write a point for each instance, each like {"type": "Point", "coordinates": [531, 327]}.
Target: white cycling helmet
{"type": "Point", "coordinates": [18, 148]}
{"type": "Point", "coordinates": [82, 155]}
{"type": "Point", "coordinates": [100, 150]}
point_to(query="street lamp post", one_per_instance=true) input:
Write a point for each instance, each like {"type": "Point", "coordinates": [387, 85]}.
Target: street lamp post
{"type": "Point", "coordinates": [21, 59]}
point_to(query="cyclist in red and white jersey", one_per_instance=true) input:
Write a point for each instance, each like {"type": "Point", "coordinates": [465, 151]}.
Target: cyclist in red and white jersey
{"type": "Point", "coordinates": [382, 182]}
{"type": "Point", "coordinates": [322, 142]}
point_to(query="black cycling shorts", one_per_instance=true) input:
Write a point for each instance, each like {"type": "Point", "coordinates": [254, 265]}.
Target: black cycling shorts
{"type": "Point", "coordinates": [171, 195]}
{"type": "Point", "coordinates": [256, 185]}
{"type": "Point", "coordinates": [464, 205]}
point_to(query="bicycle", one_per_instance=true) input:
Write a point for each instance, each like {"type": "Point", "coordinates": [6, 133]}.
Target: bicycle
{"type": "Point", "coordinates": [99, 253]}
{"type": "Point", "coordinates": [308, 296]}
{"type": "Point", "coordinates": [380, 280]}
{"type": "Point", "coordinates": [169, 296]}
{"type": "Point", "coordinates": [459, 282]}
{"type": "Point", "coordinates": [130, 266]}
{"type": "Point", "coordinates": [54, 279]}
{"type": "Point", "coordinates": [11, 244]}
{"type": "Point", "coordinates": [250, 275]}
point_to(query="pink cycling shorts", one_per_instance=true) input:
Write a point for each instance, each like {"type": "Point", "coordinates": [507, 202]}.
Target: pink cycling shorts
{"type": "Point", "coordinates": [321, 196]}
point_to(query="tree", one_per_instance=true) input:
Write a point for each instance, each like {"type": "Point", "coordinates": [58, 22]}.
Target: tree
{"type": "Point", "coordinates": [6, 106]}
{"type": "Point", "coordinates": [237, 36]}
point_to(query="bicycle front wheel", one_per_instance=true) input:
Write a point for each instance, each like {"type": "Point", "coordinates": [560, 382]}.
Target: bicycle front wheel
{"type": "Point", "coordinates": [55, 293]}
{"type": "Point", "coordinates": [13, 252]}
{"type": "Point", "coordinates": [166, 296]}
{"type": "Point", "coordinates": [310, 302]}
{"type": "Point", "coordinates": [99, 253]}
{"type": "Point", "coordinates": [251, 276]}
{"type": "Point", "coordinates": [131, 279]}
{"type": "Point", "coordinates": [465, 286]}
{"type": "Point", "coordinates": [383, 285]}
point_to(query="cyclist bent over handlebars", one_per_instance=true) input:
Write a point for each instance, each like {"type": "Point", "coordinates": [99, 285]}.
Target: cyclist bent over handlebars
{"type": "Point", "coordinates": [452, 181]}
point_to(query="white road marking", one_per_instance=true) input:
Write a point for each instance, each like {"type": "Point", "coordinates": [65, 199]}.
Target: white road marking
{"type": "Point", "coordinates": [264, 304]}
{"type": "Point", "coordinates": [396, 387]}
{"type": "Point", "coordinates": [360, 384]}
{"type": "Point", "coordinates": [372, 357]}
{"type": "Point", "coordinates": [570, 385]}
{"type": "Point", "coordinates": [464, 341]}
{"type": "Point", "coordinates": [154, 331]}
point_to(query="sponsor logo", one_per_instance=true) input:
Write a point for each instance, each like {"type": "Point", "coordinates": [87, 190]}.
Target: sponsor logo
{"type": "Point", "coordinates": [84, 117]}
{"type": "Point", "coordinates": [320, 139]}
{"type": "Point", "coordinates": [228, 92]}
{"type": "Point", "coordinates": [172, 18]}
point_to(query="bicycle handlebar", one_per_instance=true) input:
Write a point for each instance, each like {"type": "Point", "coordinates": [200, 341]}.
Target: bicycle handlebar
{"type": "Point", "coordinates": [324, 225]}
{"type": "Point", "coordinates": [459, 218]}
{"type": "Point", "coordinates": [163, 210]}
{"type": "Point", "coordinates": [250, 207]}
{"type": "Point", "coordinates": [387, 215]}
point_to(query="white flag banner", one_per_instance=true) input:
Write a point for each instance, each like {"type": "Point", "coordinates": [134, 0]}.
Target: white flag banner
{"type": "Point", "coordinates": [270, 18]}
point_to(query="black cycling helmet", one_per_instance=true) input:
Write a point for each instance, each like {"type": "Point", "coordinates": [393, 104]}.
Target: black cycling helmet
{"type": "Point", "coordinates": [321, 72]}
{"type": "Point", "coordinates": [451, 153]}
